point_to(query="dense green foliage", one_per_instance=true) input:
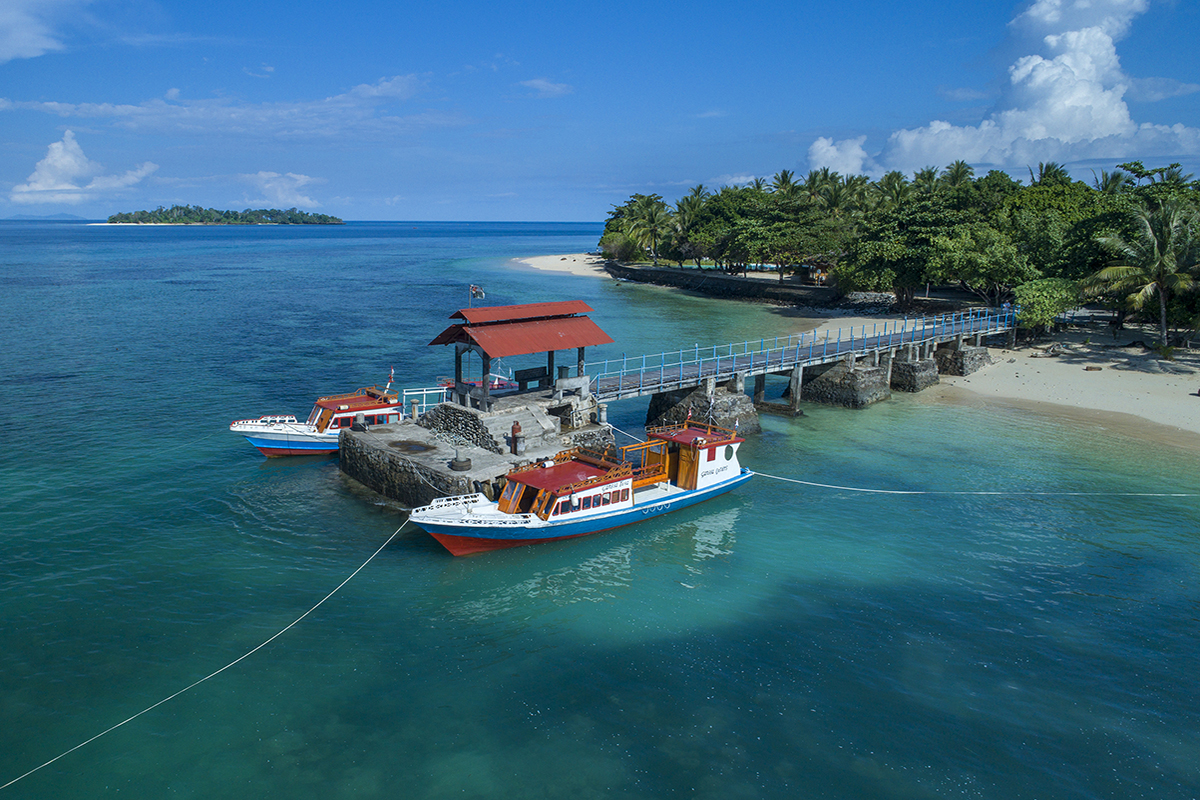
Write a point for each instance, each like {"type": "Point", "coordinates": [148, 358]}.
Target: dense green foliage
{"type": "Point", "coordinates": [195, 215]}
{"type": "Point", "coordinates": [988, 235]}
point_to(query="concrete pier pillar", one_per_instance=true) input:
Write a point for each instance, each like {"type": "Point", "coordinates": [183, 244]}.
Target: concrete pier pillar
{"type": "Point", "coordinates": [760, 388]}
{"type": "Point", "coordinates": [795, 385]}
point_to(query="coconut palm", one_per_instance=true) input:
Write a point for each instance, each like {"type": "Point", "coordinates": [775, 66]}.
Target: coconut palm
{"type": "Point", "coordinates": [925, 181]}
{"type": "Point", "coordinates": [784, 184]}
{"type": "Point", "coordinates": [648, 223]}
{"type": "Point", "coordinates": [1049, 172]}
{"type": "Point", "coordinates": [892, 190]}
{"type": "Point", "coordinates": [1110, 182]}
{"type": "Point", "coordinates": [1159, 261]}
{"type": "Point", "coordinates": [958, 174]}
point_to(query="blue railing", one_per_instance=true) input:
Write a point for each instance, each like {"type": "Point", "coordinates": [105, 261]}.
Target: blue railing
{"type": "Point", "coordinates": [629, 376]}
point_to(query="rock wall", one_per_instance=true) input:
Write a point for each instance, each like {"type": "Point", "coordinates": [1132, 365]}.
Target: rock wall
{"type": "Point", "coordinates": [725, 408]}
{"type": "Point", "coordinates": [399, 478]}
{"type": "Point", "coordinates": [839, 386]}
{"type": "Point", "coordinates": [963, 361]}
{"type": "Point", "coordinates": [914, 376]}
{"type": "Point", "coordinates": [454, 420]}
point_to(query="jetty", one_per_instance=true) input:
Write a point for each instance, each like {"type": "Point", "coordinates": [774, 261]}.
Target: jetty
{"type": "Point", "coordinates": [466, 436]}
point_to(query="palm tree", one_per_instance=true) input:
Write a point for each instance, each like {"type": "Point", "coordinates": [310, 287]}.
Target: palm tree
{"type": "Point", "coordinates": [1050, 172]}
{"type": "Point", "coordinates": [1157, 262]}
{"type": "Point", "coordinates": [687, 211]}
{"type": "Point", "coordinates": [784, 184]}
{"type": "Point", "coordinates": [1110, 182]}
{"type": "Point", "coordinates": [958, 174]}
{"type": "Point", "coordinates": [648, 223]}
{"type": "Point", "coordinates": [926, 182]}
{"type": "Point", "coordinates": [892, 190]}
{"type": "Point", "coordinates": [700, 192]}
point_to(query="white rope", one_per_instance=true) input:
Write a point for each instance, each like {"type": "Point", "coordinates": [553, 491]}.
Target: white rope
{"type": "Point", "coordinates": [218, 672]}
{"type": "Point", "coordinates": [915, 491]}
{"type": "Point", "coordinates": [618, 430]}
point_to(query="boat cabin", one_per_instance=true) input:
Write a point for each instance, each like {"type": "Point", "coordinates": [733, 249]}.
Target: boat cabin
{"type": "Point", "coordinates": [588, 482]}
{"type": "Point", "coordinates": [378, 406]}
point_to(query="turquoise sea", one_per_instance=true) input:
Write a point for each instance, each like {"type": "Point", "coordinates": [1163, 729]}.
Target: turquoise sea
{"type": "Point", "coordinates": [783, 641]}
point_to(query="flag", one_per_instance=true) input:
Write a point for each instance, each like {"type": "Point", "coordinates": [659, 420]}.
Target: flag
{"type": "Point", "coordinates": [476, 292]}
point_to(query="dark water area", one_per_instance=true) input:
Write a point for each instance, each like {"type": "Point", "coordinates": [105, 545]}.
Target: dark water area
{"type": "Point", "coordinates": [784, 640]}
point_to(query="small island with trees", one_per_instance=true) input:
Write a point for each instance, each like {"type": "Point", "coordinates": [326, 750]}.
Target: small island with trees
{"type": "Point", "coordinates": [195, 215]}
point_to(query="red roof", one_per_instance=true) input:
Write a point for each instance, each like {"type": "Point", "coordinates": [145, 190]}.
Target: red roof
{"type": "Point", "coordinates": [563, 474]}
{"type": "Point", "coordinates": [480, 316]}
{"type": "Point", "coordinates": [687, 435]}
{"type": "Point", "coordinates": [503, 331]}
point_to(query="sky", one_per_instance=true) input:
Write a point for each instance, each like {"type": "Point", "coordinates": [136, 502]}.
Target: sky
{"type": "Point", "coordinates": [538, 111]}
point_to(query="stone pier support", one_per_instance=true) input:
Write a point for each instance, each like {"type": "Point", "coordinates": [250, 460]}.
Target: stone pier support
{"type": "Point", "coordinates": [725, 408]}
{"type": "Point", "coordinates": [842, 386]}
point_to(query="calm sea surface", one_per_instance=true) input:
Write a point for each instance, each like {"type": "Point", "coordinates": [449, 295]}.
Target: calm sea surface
{"type": "Point", "coordinates": [783, 641]}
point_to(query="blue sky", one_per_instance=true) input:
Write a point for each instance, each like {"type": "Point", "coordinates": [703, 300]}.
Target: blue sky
{"type": "Point", "coordinates": [556, 111]}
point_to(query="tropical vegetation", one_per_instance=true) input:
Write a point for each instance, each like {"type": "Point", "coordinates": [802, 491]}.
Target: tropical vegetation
{"type": "Point", "coordinates": [195, 215]}
{"type": "Point", "coordinates": [1129, 239]}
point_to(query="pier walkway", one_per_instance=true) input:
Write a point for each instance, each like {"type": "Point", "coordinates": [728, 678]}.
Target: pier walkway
{"type": "Point", "coordinates": [679, 369]}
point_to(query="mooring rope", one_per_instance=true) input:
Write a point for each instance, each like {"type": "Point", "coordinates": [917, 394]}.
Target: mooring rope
{"type": "Point", "coordinates": [217, 672]}
{"type": "Point", "coordinates": [996, 493]}
{"type": "Point", "coordinates": [618, 430]}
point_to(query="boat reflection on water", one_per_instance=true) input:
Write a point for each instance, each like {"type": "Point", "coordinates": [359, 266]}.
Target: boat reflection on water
{"type": "Point", "coordinates": [614, 565]}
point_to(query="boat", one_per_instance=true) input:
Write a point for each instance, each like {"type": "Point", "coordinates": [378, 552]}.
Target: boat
{"type": "Point", "coordinates": [582, 491]}
{"type": "Point", "coordinates": [284, 435]}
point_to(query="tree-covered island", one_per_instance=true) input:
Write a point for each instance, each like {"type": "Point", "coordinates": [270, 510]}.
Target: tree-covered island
{"type": "Point", "coordinates": [195, 215]}
{"type": "Point", "coordinates": [1130, 239]}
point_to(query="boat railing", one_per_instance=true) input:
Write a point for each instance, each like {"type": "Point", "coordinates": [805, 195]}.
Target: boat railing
{"type": "Point", "coordinates": [268, 419]}
{"type": "Point", "coordinates": [457, 500]}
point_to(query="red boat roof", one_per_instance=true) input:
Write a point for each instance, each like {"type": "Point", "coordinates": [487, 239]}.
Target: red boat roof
{"type": "Point", "coordinates": [559, 475]}
{"type": "Point", "coordinates": [361, 400]}
{"type": "Point", "coordinates": [688, 434]}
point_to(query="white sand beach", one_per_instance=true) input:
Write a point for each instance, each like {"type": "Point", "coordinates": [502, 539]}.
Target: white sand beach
{"type": "Point", "coordinates": [1086, 375]}
{"type": "Point", "coordinates": [585, 264]}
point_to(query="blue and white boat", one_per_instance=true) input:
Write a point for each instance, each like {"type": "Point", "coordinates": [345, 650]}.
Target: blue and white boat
{"type": "Point", "coordinates": [582, 491]}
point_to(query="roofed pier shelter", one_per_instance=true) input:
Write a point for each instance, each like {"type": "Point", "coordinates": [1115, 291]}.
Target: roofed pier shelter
{"type": "Point", "coordinates": [506, 331]}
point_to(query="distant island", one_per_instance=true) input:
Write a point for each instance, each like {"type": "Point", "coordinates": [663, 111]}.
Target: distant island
{"type": "Point", "coordinates": [194, 215]}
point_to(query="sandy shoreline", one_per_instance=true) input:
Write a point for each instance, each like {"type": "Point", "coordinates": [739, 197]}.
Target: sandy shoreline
{"type": "Point", "coordinates": [1089, 377]}
{"type": "Point", "coordinates": [582, 264]}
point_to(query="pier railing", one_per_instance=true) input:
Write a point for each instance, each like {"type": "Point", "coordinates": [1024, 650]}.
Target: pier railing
{"type": "Point", "coordinates": [425, 398]}
{"type": "Point", "coordinates": [629, 377]}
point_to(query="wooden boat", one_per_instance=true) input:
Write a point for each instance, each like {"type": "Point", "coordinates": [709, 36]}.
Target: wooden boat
{"type": "Point", "coordinates": [582, 491]}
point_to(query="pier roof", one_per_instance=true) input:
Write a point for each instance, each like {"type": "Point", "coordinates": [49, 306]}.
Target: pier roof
{"type": "Point", "coordinates": [503, 331]}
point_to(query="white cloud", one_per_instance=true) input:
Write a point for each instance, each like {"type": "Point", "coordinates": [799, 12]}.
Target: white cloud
{"type": "Point", "coordinates": [847, 156]}
{"type": "Point", "coordinates": [60, 176]}
{"type": "Point", "coordinates": [1064, 101]}
{"type": "Point", "coordinates": [363, 112]}
{"type": "Point", "coordinates": [545, 88]}
{"type": "Point", "coordinates": [282, 191]}
{"type": "Point", "coordinates": [27, 27]}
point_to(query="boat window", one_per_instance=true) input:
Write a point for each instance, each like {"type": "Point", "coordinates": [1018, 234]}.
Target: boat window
{"type": "Point", "coordinates": [605, 498]}
{"type": "Point", "coordinates": [510, 490]}
{"type": "Point", "coordinates": [729, 452]}
{"type": "Point", "coordinates": [564, 507]}
{"type": "Point", "coordinates": [587, 502]}
{"type": "Point", "coordinates": [624, 495]}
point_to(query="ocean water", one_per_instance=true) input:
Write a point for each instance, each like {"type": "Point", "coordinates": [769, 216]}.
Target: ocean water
{"type": "Point", "coordinates": [785, 640]}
